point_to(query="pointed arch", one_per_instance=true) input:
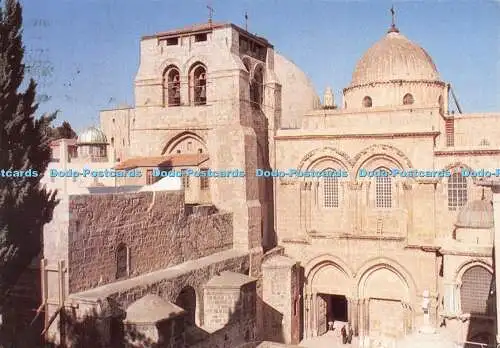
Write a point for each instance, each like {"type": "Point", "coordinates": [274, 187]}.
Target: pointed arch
{"type": "Point", "coordinates": [381, 153]}
{"type": "Point", "coordinates": [197, 143]}
{"type": "Point", "coordinates": [317, 157]}
{"type": "Point", "coordinates": [376, 264]}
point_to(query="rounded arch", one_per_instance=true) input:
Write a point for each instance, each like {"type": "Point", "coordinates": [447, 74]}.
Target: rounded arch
{"type": "Point", "coordinates": [182, 137]}
{"type": "Point", "coordinates": [316, 156]}
{"type": "Point", "coordinates": [376, 264]}
{"type": "Point", "coordinates": [382, 152]}
{"type": "Point", "coordinates": [322, 263]}
{"type": "Point", "coordinates": [187, 299]}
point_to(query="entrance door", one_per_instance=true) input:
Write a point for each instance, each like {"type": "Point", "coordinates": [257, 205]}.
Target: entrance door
{"type": "Point", "coordinates": [387, 320]}
{"type": "Point", "coordinates": [322, 312]}
{"type": "Point", "coordinates": [331, 308]}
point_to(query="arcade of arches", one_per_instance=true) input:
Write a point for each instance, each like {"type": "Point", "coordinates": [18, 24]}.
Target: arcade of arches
{"type": "Point", "coordinates": [335, 296]}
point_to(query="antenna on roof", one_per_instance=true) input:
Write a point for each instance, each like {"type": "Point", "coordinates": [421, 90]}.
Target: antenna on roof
{"type": "Point", "coordinates": [210, 13]}
{"type": "Point", "coordinates": [246, 21]}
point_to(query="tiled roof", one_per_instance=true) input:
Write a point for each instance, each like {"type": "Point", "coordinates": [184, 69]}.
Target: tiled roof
{"type": "Point", "coordinates": [178, 160]}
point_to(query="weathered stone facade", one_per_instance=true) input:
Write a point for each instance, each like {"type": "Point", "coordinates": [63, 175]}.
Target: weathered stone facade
{"type": "Point", "coordinates": [352, 247]}
{"type": "Point", "coordinates": [153, 226]}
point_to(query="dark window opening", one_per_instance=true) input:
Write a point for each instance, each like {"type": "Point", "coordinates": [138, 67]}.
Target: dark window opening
{"type": "Point", "coordinates": [367, 102]}
{"type": "Point", "coordinates": [336, 308]}
{"type": "Point", "coordinates": [200, 37]}
{"type": "Point", "coordinates": [150, 179]}
{"type": "Point", "coordinates": [173, 41]}
{"type": "Point", "coordinates": [408, 99]}
{"type": "Point", "coordinates": [185, 179]}
{"type": "Point", "coordinates": [199, 84]}
{"type": "Point", "coordinates": [173, 87]}
{"type": "Point", "coordinates": [187, 301]}
{"type": "Point", "coordinates": [257, 87]}
{"type": "Point", "coordinates": [122, 258]}
{"type": "Point", "coordinates": [204, 184]}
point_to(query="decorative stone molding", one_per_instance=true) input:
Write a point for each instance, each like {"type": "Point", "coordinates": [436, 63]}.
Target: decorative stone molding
{"type": "Point", "coordinates": [384, 150]}
{"type": "Point", "coordinates": [325, 152]}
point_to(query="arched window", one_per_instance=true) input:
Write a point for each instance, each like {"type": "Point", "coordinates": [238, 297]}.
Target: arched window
{"type": "Point", "coordinates": [257, 87]}
{"type": "Point", "coordinates": [383, 190]}
{"type": "Point", "coordinates": [367, 102]}
{"type": "Point", "coordinates": [330, 191]}
{"type": "Point", "coordinates": [187, 301]}
{"type": "Point", "coordinates": [198, 83]}
{"type": "Point", "coordinates": [476, 291]}
{"type": "Point", "coordinates": [408, 99]}
{"type": "Point", "coordinates": [112, 141]}
{"type": "Point", "coordinates": [457, 191]}
{"type": "Point", "coordinates": [122, 261]}
{"type": "Point", "coordinates": [172, 87]}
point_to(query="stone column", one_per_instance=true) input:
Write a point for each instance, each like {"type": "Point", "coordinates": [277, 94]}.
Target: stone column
{"type": "Point", "coordinates": [496, 247]}
{"type": "Point", "coordinates": [362, 322]}
{"type": "Point", "coordinates": [314, 314]}
{"type": "Point", "coordinates": [306, 314]}
{"type": "Point", "coordinates": [354, 315]}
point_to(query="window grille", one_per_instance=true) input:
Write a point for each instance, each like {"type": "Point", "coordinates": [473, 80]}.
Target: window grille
{"type": "Point", "coordinates": [185, 179]}
{"type": "Point", "coordinates": [457, 191]}
{"type": "Point", "coordinates": [331, 192]}
{"type": "Point", "coordinates": [383, 192]}
{"type": "Point", "coordinates": [475, 290]}
{"type": "Point", "coordinates": [204, 181]}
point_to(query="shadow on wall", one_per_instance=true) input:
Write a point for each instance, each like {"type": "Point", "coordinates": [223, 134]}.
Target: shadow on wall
{"type": "Point", "coordinates": [273, 323]}
{"type": "Point", "coordinates": [20, 326]}
{"type": "Point", "coordinates": [101, 332]}
{"type": "Point", "coordinates": [266, 186]}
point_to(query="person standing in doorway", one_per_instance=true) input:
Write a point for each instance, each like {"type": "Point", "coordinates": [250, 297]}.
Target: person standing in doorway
{"type": "Point", "coordinates": [350, 333]}
{"type": "Point", "coordinates": [344, 334]}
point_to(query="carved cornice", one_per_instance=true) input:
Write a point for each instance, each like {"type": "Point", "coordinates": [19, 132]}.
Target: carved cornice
{"type": "Point", "coordinates": [391, 82]}
{"type": "Point", "coordinates": [477, 152]}
{"type": "Point", "coordinates": [357, 136]}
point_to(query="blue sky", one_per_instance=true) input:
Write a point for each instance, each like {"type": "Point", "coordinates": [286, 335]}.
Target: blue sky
{"type": "Point", "coordinates": [87, 51]}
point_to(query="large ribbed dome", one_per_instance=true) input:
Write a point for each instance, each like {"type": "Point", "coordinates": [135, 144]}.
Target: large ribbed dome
{"type": "Point", "coordinates": [476, 214]}
{"type": "Point", "coordinates": [92, 135]}
{"type": "Point", "coordinates": [394, 57]}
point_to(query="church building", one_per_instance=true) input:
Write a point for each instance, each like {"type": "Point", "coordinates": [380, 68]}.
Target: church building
{"type": "Point", "coordinates": [383, 226]}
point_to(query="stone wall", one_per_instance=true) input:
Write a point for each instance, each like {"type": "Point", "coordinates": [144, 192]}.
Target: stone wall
{"type": "Point", "coordinates": [153, 226]}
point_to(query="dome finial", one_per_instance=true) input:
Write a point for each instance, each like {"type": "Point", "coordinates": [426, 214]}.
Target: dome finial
{"type": "Point", "coordinates": [393, 28]}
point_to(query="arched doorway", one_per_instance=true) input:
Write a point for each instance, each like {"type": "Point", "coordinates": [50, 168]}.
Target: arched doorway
{"type": "Point", "coordinates": [383, 290]}
{"type": "Point", "coordinates": [329, 300]}
{"type": "Point", "coordinates": [187, 301]}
